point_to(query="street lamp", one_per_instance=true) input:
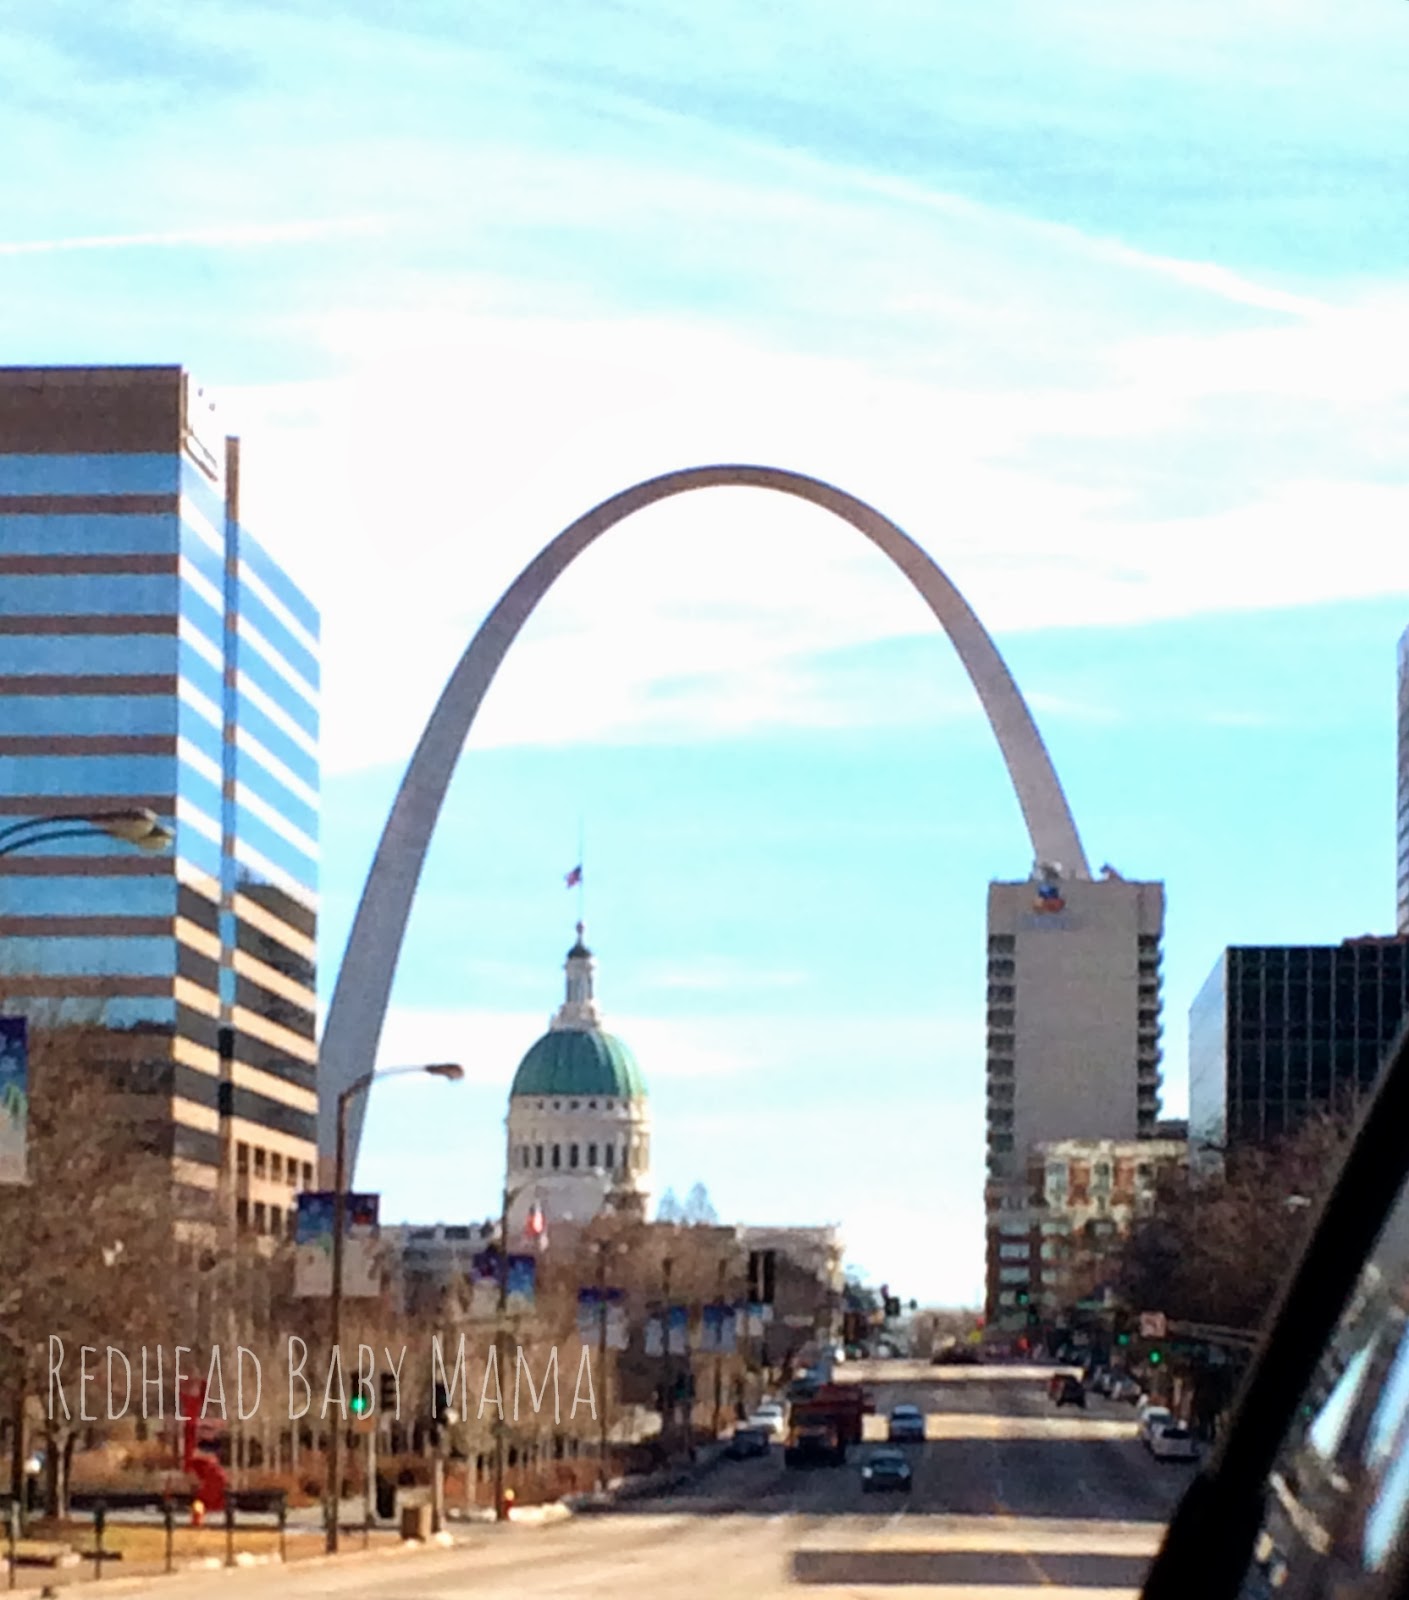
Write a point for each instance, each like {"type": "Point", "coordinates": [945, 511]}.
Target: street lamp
{"type": "Point", "coordinates": [138, 827]}
{"type": "Point", "coordinates": [501, 1508]}
{"type": "Point", "coordinates": [453, 1072]}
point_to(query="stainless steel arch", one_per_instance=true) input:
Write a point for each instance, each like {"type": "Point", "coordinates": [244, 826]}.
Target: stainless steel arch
{"type": "Point", "coordinates": [355, 1018]}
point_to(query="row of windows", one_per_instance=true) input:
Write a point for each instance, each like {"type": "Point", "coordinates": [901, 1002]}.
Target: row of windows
{"type": "Point", "coordinates": [271, 1220]}
{"type": "Point", "coordinates": [552, 1156]}
{"type": "Point", "coordinates": [134, 473]}
{"type": "Point", "coordinates": [272, 1165]}
{"type": "Point", "coordinates": [93, 533]}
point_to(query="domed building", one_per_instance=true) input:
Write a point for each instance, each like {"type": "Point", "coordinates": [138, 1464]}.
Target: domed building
{"type": "Point", "coordinates": [579, 1124]}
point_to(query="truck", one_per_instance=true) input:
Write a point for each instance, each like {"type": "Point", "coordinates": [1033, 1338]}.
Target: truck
{"type": "Point", "coordinates": [822, 1426]}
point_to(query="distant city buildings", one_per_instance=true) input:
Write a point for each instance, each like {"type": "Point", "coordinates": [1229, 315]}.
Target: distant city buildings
{"type": "Point", "coordinates": [154, 655]}
{"type": "Point", "coordinates": [579, 1127]}
{"type": "Point", "coordinates": [1073, 1035]}
{"type": "Point", "coordinates": [1084, 1197]}
{"type": "Point", "coordinates": [1279, 1031]}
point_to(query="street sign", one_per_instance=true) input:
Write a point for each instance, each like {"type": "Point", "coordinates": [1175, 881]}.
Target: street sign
{"type": "Point", "coordinates": [1153, 1325]}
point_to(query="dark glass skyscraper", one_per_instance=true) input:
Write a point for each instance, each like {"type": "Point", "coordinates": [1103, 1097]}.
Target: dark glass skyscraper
{"type": "Point", "coordinates": [1278, 1031]}
{"type": "Point", "coordinates": [153, 654]}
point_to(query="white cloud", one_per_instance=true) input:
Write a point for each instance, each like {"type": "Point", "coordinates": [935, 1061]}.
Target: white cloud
{"type": "Point", "coordinates": [232, 235]}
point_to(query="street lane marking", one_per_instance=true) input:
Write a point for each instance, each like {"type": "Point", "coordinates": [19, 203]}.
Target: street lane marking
{"type": "Point", "coordinates": [995, 1425]}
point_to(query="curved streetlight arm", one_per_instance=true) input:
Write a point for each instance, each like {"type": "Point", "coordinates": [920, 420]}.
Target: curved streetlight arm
{"type": "Point", "coordinates": [46, 837]}
{"type": "Point", "coordinates": [153, 837]}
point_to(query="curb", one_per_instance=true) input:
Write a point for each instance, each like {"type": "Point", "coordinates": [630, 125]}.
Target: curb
{"type": "Point", "coordinates": [154, 1580]}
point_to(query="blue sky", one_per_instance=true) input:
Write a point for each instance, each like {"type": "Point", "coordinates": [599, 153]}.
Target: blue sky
{"type": "Point", "coordinates": [1103, 307]}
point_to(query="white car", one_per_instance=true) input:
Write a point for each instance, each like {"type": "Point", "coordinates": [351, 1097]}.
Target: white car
{"type": "Point", "coordinates": [1173, 1443]}
{"type": "Point", "coordinates": [772, 1419]}
{"type": "Point", "coordinates": [1151, 1419]}
{"type": "Point", "coordinates": [907, 1425]}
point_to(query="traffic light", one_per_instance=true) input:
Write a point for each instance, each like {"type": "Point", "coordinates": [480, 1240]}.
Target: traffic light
{"type": "Point", "coordinates": [892, 1306]}
{"type": "Point", "coordinates": [1122, 1338]}
{"type": "Point", "coordinates": [360, 1403]}
{"type": "Point", "coordinates": [388, 1391]}
{"type": "Point", "coordinates": [1155, 1356]}
{"type": "Point", "coordinates": [1023, 1297]}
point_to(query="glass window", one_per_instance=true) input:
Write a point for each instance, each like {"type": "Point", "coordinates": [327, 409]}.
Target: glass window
{"type": "Point", "coordinates": [259, 1216]}
{"type": "Point", "coordinates": [308, 1174]}
{"type": "Point", "coordinates": [592, 1155]}
{"type": "Point", "coordinates": [609, 1160]}
{"type": "Point", "coordinates": [557, 1156]}
{"type": "Point", "coordinates": [87, 533]}
{"type": "Point", "coordinates": [538, 1155]}
{"type": "Point", "coordinates": [57, 715]}
{"type": "Point", "coordinates": [572, 1155]}
{"type": "Point", "coordinates": [259, 1161]}
{"type": "Point", "coordinates": [276, 1167]}
{"type": "Point", "coordinates": [70, 594]}
{"type": "Point", "coordinates": [242, 1157]}
{"type": "Point", "coordinates": [1338, 1496]}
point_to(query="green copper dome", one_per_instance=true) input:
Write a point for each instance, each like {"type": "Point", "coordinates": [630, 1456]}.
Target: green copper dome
{"type": "Point", "coordinates": [578, 1062]}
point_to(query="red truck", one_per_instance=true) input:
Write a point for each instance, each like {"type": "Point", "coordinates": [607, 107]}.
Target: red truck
{"type": "Point", "coordinates": [824, 1425]}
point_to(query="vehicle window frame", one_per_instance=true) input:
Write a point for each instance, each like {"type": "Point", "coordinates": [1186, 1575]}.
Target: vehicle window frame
{"type": "Point", "coordinates": [1209, 1543]}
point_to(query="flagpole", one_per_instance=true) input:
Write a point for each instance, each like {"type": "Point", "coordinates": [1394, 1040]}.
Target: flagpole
{"type": "Point", "coordinates": [581, 873]}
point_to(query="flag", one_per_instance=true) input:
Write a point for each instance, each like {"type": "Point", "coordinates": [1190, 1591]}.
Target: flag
{"type": "Point", "coordinates": [574, 878]}
{"type": "Point", "coordinates": [536, 1227]}
{"type": "Point", "coordinates": [1049, 898]}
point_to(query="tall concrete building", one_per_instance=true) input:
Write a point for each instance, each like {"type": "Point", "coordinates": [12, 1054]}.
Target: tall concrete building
{"type": "Point", "coordinates": [1073, 1031]}
{"type": "Point", "coordinates": [154, 655]}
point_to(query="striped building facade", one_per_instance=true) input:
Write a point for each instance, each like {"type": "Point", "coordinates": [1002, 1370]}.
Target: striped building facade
{"type": "Point", "coordinates": [152, 654]}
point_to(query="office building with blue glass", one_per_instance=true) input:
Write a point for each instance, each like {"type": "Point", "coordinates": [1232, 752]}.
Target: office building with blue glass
{"type": "Point", "coordinates": [154, 655]}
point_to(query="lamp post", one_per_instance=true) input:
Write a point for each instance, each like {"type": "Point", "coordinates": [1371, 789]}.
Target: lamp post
{"type": "Point", "coordinates": [441, 1069]}
{"type": "Point", "coordinates": [501, 1509]}
{"type": "Point", "coordinates": [668, 1407]}
{"type": "Point", "coordinates": [604, 1247]}
{"type": "Point", "coordinates": [719, 1350]}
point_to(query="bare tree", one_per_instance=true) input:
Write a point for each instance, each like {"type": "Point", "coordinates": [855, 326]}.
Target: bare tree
{"type": "Point", "coordinates": [1218, 1244]}
{"type": "Point", "coordinates": [699, 1211]}
{"type": "Point", "coordinates": [669, 1209]}
{"type": "Point", "coordinates": [88, 1251]}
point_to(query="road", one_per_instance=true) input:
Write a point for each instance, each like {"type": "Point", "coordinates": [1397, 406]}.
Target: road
{"type": "Point", "coordinates": [1012, 1498]}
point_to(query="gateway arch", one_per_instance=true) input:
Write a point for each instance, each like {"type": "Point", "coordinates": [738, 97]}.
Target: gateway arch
{"type": "Point", "coordinates": [354, 1024]}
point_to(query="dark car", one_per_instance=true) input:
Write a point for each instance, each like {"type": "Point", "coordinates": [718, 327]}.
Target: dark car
{"type": "Point", "coordinates": [1071, 1393]}
{"type": "Point", "coordinates": [747, 1443]}
{"type": "Point", "coordinates": [885, 1469]}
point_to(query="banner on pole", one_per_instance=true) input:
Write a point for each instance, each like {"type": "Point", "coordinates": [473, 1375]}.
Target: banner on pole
{"type": "Point", "coordinates": [719, 1329]}
{"type": "Point", "coordinates": [14, 1100]}
{"type": "Point", "coordinates": [679, 1321]}
{"type": "Point", "coordinates": [520, 1282]}
{"type": "Point", "coordinates": [313, 1246]}
{"type": "Point", "coordinates": [596, 1307]}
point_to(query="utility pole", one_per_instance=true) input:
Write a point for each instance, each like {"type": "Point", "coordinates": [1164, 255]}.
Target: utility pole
{"type": "Point", "coordinates": [668, 1408]}
{"type": "Point", "coordinates": [719, 1350]}
{"type": "Point", "coordinates": [604, 1439]}
{"type": "Point", "coordinates": [501, 1511]}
